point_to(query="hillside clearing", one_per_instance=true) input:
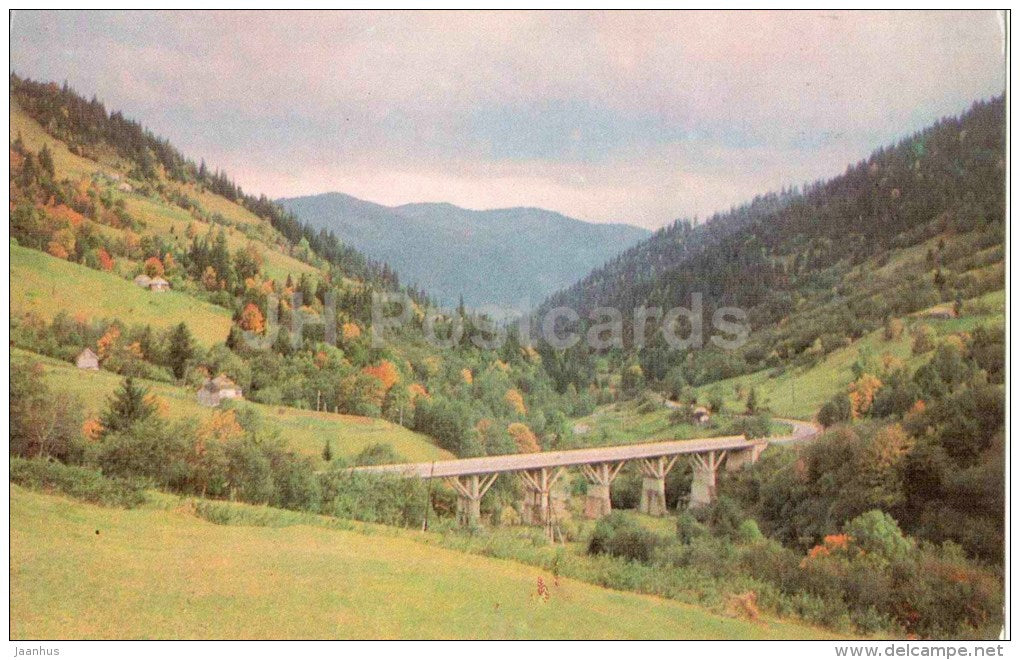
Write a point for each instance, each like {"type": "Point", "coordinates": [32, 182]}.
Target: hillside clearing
{"type": "Point", "coordinates": [304, 431]}
{"type": "Point", "coordinates": [800, 392]}
{"type": "Point", "coordinates": [46, 285]}
{"type": "Point", "coordinates": [80, 571]}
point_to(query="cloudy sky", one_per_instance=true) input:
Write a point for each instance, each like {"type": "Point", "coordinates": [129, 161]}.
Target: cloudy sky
{"type": "Point", "coordinates": [630, 117]}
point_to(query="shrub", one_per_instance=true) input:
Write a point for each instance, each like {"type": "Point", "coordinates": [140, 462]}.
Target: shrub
{"type": "Point", "coordinates": [375, 498]}
{"type": "Point", "coordinates": [380, 453]}
{"type": "Point", "coordinates": [748, 532]}
{"type": "Point", "coordinates": [893, 329]}
{"type": "Point", "coordinates": [227, 513]}
{"type": "Point", "coordinates": [649, 402]}
{"type": "Point", "coordinates": [876, 532]}
{"type": "Point", "coordinates": [689, 528]}
{"type": "Point", "coordinates": [680, 415]}
{"type": "Point", "coordinates": [751, 427]}
{"type": "Point", "coordinates": [619, 535]}
{"type": "Point", "coordinates": [78, 482]}
{"type": "Point", "coordinates": [723, 516]}
{"type": "Point", "coordinates": [836, 410]}
{"type": "Point", "coordinates": [151, 449]}
{"type": "Point", "coordinates": [923, 339]}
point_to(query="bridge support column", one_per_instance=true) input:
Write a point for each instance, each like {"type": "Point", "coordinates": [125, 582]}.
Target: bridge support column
{"type": "Point", "coordinates": [703, 485]}
{"type": "Point", "coordinates": [600, 478]}
{"type": "Point", "coordinates": [537, 484]}
{"type": "Point", "coordinates": [653, 484]}
{"type": "Point", "coordinates": [737, 459]}
{"type": "Point", "coordinates": [470, 490]}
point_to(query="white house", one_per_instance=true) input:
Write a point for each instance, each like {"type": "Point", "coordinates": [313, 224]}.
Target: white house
{"type": "Point", "coordinates": [87, 359]}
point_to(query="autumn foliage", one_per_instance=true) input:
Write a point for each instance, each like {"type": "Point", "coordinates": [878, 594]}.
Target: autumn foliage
{"type": "Point", "coordinates": [350, 331]}
{"type": "Point", "coordinates": [386, 372]}
{"type": "Point", "coordinates": [523, 437]}
{"type": "Point", "coordinates": [516, 401]}
{"type": "Point", "coordinates": [153, 267]}
{"type": "Point", "coordinates": [416, 390]}
{"type": "Point", "coordinates": [105, 260]}
{"type": "Point", "coordinates": [862, 394]}
{"type": "Point", "coordinates": [252, 319]}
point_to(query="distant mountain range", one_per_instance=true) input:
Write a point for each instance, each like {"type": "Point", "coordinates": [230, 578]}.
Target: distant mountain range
{"type": "Point", "coordinates": [512, 257]}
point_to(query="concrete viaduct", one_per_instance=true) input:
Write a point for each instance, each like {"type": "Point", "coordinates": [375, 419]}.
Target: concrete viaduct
{"type": "Point", "coordinates": [471, 478]}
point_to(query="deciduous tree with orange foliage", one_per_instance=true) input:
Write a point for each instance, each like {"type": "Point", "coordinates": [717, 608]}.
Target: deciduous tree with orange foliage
{"type": "Point", "coordinates": [416, 390]}
{"type": "Point", "coordinates": [516, 401]}
{"type": "Point", "coordinates": [105, 260]}
{"type": "Point", "coordinates": [350, 331]}
{"type": "Point", "coordinates": [153, 267]}
{"type": "Point", "coordinates": [862, 394]}
{"type": "Point", "coordinates": [523, 437]}
{"type": "Point", "coordinates": [386, 372]}
{"type": "Point", "coordinates": [252, 319]}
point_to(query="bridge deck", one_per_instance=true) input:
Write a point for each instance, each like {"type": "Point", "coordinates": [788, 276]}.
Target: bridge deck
{"type": "Point", "coordinates": [572, 457]}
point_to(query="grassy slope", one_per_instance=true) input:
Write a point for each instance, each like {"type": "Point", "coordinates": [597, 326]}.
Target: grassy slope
{"type": "Point", "coordinates": [80, 571]}
{"type": "Point", "coordinates": [159, 216]}
{"type": "Point", "coordinates": [65, 163]}
{"type": "Point", "coordinates": [303, 430]}
{"type": "Point", "coordinates": [624, 423]}
{"type": "Point", "coordinates": [799, 393]}
{"type": "Point", "coordinates": [162, 219]}
{"type": "Point", "coordinates": [47, 285]}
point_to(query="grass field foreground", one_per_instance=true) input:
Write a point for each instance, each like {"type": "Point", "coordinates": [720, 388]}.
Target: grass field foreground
{"type": "Point", "coordinates": [83, 572]}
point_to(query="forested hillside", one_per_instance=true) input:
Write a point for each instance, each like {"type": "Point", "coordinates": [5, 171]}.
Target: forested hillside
{"type": "Point", "coordinates": [97, 202]}
{"type": "Point", "coordinates": [91, 132]}
{"type": "Point", "coordinates": [508, 257]}
{"type": "Point", "coordinates": [875, 304]}
{"type": "Point", "coordinates": [916, 224]}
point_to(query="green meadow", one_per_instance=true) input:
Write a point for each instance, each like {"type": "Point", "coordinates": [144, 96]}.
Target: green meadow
{"type": "Point", "coordinates": [65, 163]}
{"type": "Point", "coordinates": [305, 431]}
{"type": "Point", "coordinates": [167, 221]}
{"type": "Point", "coordinates": [799, 392]}
{"type": "Point", "coordinates": [46, 285]}
{"type": "Point", "coordinates": [82, 571]}
{"type": "Point", "coordinates": [628, 422]}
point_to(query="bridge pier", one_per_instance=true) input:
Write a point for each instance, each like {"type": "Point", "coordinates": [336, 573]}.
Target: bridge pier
{"type": "Point", "coordinates": [537, 484]}
{"type": "Point", "coordinates": [600, 478]}
{"type": "Point", "coordinates": [653, 484]}
{"type": "Point", "coordinates": [703, 485]}
{"type": "Point", "coordinates": [737, 459]}
{"type": "Point", "coordinates": [470, 490]}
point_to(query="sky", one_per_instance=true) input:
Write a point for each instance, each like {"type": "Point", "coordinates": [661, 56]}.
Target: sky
{"type": "Point", "coordinates": [636, 117]}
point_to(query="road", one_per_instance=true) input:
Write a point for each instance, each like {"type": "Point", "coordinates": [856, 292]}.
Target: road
{"type": "Point", "coordinates": [802, 432]}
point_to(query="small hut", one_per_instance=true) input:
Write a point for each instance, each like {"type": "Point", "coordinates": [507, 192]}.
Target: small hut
{"type": "Point", "coordinates": [215, 390]}
{"type": "Point", "coordinates": [143, 281]}
{"type": "Point", "coordinates": [158, 284]}
{"type": "Point", "coordinates": [87, 359]}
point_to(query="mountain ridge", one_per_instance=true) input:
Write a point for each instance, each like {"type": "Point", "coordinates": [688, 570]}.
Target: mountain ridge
{"type": "Point", "coordinates": [486, 256]}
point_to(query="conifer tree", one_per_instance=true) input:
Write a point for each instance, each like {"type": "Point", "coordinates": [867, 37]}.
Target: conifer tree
{"type": "Point", "coordinates": [127, 407]}
{"type": "Point", "coordinates": [181, 350]}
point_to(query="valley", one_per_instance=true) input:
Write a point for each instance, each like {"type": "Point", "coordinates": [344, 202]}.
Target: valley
{"type": "Point", "coordinates": [874, 307]}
